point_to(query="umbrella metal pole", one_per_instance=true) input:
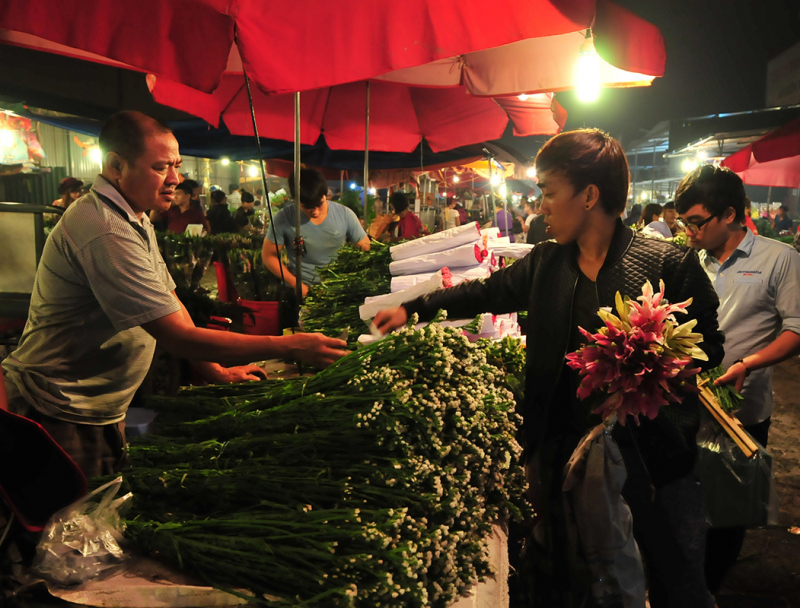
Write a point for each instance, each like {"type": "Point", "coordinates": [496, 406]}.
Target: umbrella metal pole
{"type": "Point", "coordinates": [366, 160]}
{"type": "Point", "coordinates": [263, 171]}
{"type": "Point", "coordinates": [491, 192]}
{"type": "Point", "coordinates": [298, 240]}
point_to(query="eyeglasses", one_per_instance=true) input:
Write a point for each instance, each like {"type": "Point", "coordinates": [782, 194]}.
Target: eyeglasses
{"type": "Point", "coordinates": [694, 226]}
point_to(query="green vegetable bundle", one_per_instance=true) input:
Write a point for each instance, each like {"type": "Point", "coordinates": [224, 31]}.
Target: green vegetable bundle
{"type": "Point", "coordinates": [332, 306]}
{"type": "Point", "coordinates": [729, 398]}
{"type": "Point", "coordinates": [373, 483]}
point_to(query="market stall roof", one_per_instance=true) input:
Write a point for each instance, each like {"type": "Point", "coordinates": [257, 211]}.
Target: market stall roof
{"type": "Point", "coordinates": [196, 138]}
{"type": "Point", "coordinates": [192, 41]}
{"type": "Point", "coordinates": [773, 160]}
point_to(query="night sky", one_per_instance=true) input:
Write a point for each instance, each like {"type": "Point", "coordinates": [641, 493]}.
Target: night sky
{"type": "Point", "coordinates": [717, 53]}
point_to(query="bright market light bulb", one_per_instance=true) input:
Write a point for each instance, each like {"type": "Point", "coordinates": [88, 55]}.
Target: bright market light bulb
{"type": "Point", "coordinates": [252, 171]}
{"type": "Point", "coordinates": [503, 191]}
{"type": "Point", "coordinates": [373, 191]}
{"type": "Point", "coordinates": [97, 156]}
{"type": "Point", "coordinates": [226, 161]}
{"type": "Point", "coordinates": [6, 138]}
{"type": "Point", "coordinates": [353, 186]}
{"type": "Point", "coordinates": [531, 172]}
{"type": "Point", "coordinates": [456, 179]}
{"type": "Point", "coordinates": [495, 180]}
{"type": "Point", "coordinates": [645, 196]}
{"type": "Point", "coordinates": [702, 154]}
{"type": "Point", "coordinates": [587, 72]}
{"type": "Point", "coordinates": [523, 97]}
{"type": "Point", "coordinates": [690, 164]}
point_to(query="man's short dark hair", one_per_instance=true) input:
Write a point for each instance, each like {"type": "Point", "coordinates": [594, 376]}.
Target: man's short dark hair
{"type": "Point", "coordinates": [192, 183]}
{"type": "Point", "coordinates": [399, 201]}
{"type": "Point", "coordinates": [186, 187]}
{"type": "Point", "coordinates": [125, 132]}
{"type": "Point", "coordinates": [589, 156]}
{"type": "Point", "coordinates": [218, 196]}
{"type": "Point", "coordinates": [784, 208]}
{"type": "Point", "coordinates": [650, 210]}
{"type": "Point", "coordinates": [247, 197]}
{"type": "Point", "coordinates": [313, 188]}
{"type": "Point", "coordinates": [669, 205]}
{"type": "Point", "coordinates": [233, 188]}
{"type": "Point", "coordinates": [715, 188]}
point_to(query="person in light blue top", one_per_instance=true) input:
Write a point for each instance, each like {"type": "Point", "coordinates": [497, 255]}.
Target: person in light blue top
{"type": "Point", "coordinates": [325, 227]}
{"type": "Point", "coordinates": [758, 283]}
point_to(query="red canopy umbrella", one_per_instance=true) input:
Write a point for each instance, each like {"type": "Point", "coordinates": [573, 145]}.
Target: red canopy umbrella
{"type": "Point", "coordinates": [190, 41]}
{"type": "Point", "coordinates": [773, 160]}
{"type": "Point", "coordinates": [400, 116]}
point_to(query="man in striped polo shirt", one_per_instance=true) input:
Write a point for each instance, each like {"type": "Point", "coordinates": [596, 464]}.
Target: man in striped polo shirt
{"type": "Point", "coordinates": [103, 297]}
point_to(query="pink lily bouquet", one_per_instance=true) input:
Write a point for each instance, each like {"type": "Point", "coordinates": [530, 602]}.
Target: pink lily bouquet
{"type": "Point", "coordinates": [641, 358]}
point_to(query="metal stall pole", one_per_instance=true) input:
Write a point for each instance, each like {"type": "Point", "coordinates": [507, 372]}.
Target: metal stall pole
{"type": "Point", "coordinates": [366, 160]}
{"type": "Point", "coordinates": [299, 245]}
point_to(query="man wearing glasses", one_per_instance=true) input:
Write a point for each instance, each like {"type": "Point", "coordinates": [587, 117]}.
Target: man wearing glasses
{"type": "Point", "coordinates": [758, 283]}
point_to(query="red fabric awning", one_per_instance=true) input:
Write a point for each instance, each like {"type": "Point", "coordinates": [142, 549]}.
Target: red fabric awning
{"type": "Point", "coordinates": [773, 160]}
{"type": "Point", "coordinates": [284, 44]}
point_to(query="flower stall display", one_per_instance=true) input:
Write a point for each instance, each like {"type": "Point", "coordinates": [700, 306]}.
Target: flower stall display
{"type": "Point", "coordinates": [373, 483]}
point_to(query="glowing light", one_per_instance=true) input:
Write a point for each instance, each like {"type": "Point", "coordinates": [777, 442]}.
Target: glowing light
{"type": "Point", "coordinates": [373, 191]}
{"type": "Point", "coordinates": [253, 171]}
{"type": "Point", "coordinates": [97, 156]}
{"type": "Point", "coordinates": [353, 186]}
{"type": "Point", "coordinates": [702, 154]}
{"type": "Point", "coordinates": [6, 138]}
{"type": "Point", "coordinates": [226, 161]}
{"type": "Point", "coordinates": [503, 191]}
{"type": "Point", "coordinates": [531, 172]}
{"type": "Point", "coordinates": [587, 72]}
{"type": "Point", "coordinates": [456, 179]}
{"type": "Point", "coordinates": [495, 179]}
{"type": "Point", "coordinates": [645, 196]}
{"type": "Point", "coordinates": [523, 97]}
{"type": "Point", "coordinates": [690, 164]}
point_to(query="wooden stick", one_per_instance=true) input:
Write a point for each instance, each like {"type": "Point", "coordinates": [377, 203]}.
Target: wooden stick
{"type": "Point", "coordinates": [730, 424]}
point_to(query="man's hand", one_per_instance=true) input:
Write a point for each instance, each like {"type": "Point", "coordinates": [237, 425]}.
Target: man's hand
{"type": "Point", "coordinates": [735, 375]}
{"type": "Point", "coordinates": [390, 318]}
{"type": "Point", "coordinates": [317, 350]}
{"type": "Point", "coordinates": [217, 374]}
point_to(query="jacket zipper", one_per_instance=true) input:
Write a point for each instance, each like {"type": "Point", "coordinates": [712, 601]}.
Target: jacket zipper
{"type": "Point", "coordinates": [569, 325]}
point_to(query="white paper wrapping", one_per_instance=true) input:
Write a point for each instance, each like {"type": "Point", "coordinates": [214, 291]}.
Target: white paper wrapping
{"type": "Point", "coordinates": [375, 304]}
{"type": "Point", "coordinates": [440, 241]}
{"type": "Point", "coordinates": [493, 233]}
{"type": "Point", "coordinates": [480, 271]}
{"type": "Point", "coordinates": [510, 250]}
{"type": "Point", "coordinates": [465, 256]}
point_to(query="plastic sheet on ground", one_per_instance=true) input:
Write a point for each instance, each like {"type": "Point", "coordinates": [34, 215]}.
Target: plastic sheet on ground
{"type": "Point", "coordinates": [440, 241]}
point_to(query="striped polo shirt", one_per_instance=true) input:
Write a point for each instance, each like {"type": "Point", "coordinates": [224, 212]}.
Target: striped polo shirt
{"type": "Point", "coordinates": [83, 353]}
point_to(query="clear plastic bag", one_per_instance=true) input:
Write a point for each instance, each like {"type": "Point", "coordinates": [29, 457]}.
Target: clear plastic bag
{"type": "Point", "coordinates": [737, 491]}
{"type": "Point", "coordinates": [83, 539]}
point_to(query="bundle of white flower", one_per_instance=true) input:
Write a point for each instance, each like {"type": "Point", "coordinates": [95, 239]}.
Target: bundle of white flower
{"type": "Point", "coordinates": [374, 483]}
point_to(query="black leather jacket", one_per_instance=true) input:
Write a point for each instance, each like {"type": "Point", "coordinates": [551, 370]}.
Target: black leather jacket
{"type": "Point", "coordinates": [544, 282]}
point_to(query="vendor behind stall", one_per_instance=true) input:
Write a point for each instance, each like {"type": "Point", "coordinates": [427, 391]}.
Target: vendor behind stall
{"type": "Point", "coordinates": [103, 297]}
{"type": "Point", "coordinates": [325, 227]}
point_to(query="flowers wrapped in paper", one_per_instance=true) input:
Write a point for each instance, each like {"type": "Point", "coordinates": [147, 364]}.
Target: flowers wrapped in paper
{"type": "Point", "coordinates": [641, 358]}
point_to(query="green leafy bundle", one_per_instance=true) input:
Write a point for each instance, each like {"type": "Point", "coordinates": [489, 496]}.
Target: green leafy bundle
{"type": "Point", "coordinates": [729, 398]}
{"type": "Point", "coordinates": [373, 483]}
{"type": "Point", "coordinates": [332, 306]}
{"type": "Point", "coordinates": [253, 281]}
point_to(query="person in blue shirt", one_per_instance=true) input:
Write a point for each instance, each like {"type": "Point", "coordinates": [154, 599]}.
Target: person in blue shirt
{"type": "Point", "coordinates": [782, 221]}
{"type": "Point", "coordinates": [325, 226]}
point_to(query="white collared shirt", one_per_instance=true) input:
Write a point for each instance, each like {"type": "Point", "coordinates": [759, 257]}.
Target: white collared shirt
{"type": "Point", "coordinates": [759, 292]}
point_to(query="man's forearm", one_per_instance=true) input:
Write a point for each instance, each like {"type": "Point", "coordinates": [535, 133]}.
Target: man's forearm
{"type": "Point", "coordinates": [274, 265]}
{"type": "Point", "coordinates": [226, 348]}
{"type": "Point", "coordinates": [783, 347]}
